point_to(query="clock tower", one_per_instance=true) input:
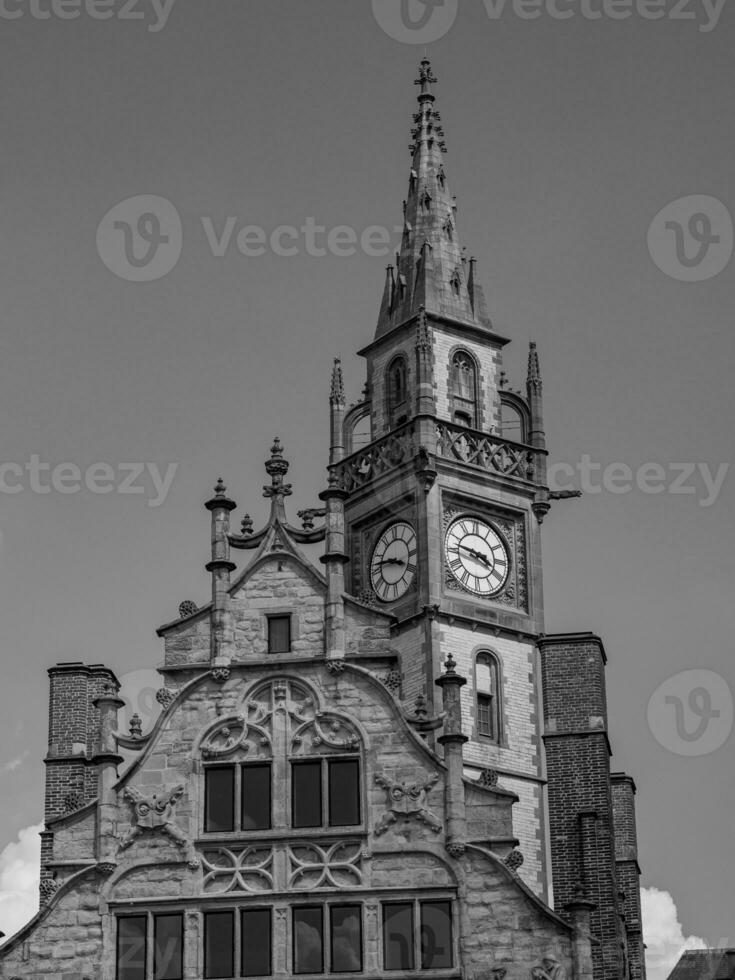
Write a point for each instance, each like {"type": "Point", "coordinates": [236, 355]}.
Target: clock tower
{"type": "Point", "coordinates": [443, 467]}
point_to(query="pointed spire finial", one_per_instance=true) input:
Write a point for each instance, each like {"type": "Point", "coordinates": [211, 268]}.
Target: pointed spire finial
{"type": "Point", "coordinates": [426, 78]}
{"type": "Point", "coordinates": [276, 468]}
{"type": "Point", "coordinates": [220, 489]}
{"type": "Point", "coordinates": [534, 369]}
{"type": "Point", "coordinates": [337, 390]}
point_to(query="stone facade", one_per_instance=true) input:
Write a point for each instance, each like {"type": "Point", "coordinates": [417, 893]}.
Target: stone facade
{"type": "Point", "coordinates": [469, 750]}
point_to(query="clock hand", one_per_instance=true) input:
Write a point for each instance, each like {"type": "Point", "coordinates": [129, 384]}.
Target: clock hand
{"type": "Point", "coordinates": [477, 555]}
{"type": "Point", "coordinates": [392, 561]}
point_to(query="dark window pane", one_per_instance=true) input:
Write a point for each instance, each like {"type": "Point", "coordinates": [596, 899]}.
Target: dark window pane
{"type": "Point", "coordinates": [131, 947]}
{"type": "Point", "coordinates": [346, 938]}
{"type": "Point", "coordinates": [219, 944]}
{"type": "Point", "coordinates": [220, 799]}
{"type": "Point", "coordinates": [436, 935]}
{"type": "Point", "coordinates": [344, 792]}
{"type": "Point", "coordinates": [256, 943]}
{"type": "Point", "coordinates": [485, 719]}
{"type": "Point", "coordinates": [256, 797]}
{"type": "Point", "coordinates": [308, 942]}
{"type": "Point", "coordinates": [306, 788]}
{"type": "Point", "coordinates": [279, 634]}
{"type": "Point", "coordinates": [398, 936]}
{"type": "Point", "coordinates": [168, 947]}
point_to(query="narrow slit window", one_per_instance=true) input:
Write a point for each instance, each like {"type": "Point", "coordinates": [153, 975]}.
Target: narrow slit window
{"type": "Point", "coordinates": [256, 797]}
{"type": "Point", "coordinates": [345, 938]}
{"type": "Point", "coordinates": [219, 944]}
{"type": "Point", "coordinates": [308, 939]}
{"type": "Point", "coordinates": [436, 935]}
{"type": "Point", "coordinates": [168, 947]}
{"type": "Point", "coordinates": [344, 792]}
{"type": "Point", "coordinates": [219, 799]}
{"type": "Point", "coordinates": [488, 696]}
{"type": "Point", "coordinates": [398, 936]}
{"type": "Point", "coordinates": [256, 933]}
{"type": "Point", "coordinates": [306, 794]}
{"type": "Point", "coordinates": [131, 947]}
{"type": "Point", "coordinates": [279, 634]}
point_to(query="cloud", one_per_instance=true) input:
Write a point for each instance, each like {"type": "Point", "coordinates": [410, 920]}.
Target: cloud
{"type": "Point", "coordinates": [19, 873]}
{"type": "Point", "coordinates": [15, 763]}
{"type": "Point", "coordinates": [663, 933]}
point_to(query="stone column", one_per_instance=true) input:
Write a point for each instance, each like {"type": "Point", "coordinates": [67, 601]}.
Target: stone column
{"type": "Point", "coordinates": [451, 684]}
{"type": "Point", "coordinates": [334, 560]}
{"type": "Point", "coordinates": [107, 759]}
{"type": "Point", "coordinates": [222, 633]}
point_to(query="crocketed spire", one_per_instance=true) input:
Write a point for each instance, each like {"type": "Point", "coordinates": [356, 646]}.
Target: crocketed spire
{"type": "Point", "coordinates": [431, 268]}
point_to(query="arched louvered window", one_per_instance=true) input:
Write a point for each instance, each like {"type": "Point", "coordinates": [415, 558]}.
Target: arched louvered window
{"type": "Point", "coordinates": [398, 391]}
{"type": "Point", "coordinates": [487, 694]}
{"type": "Point", "coordinates": [463, 383]}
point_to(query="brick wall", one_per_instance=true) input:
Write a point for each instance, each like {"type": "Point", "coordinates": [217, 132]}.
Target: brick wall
{"type": "Point", "coordinates": [628, 871]}
{"type": "Point", "coordinates": [579, 791]}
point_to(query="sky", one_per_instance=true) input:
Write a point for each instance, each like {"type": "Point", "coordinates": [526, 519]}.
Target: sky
{"type": "Point", "coordinates": [592, 162]}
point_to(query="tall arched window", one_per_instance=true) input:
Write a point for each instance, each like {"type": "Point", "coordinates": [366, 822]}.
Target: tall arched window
{"type": "Point", "coordinates": [398, 391]}
{"type": "Point", "coordinates": [463, 378]}
{"type": "Point", "coordinates": [487, 693]}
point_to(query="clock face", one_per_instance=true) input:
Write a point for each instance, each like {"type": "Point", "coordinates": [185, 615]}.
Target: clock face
{"type": "Point", "coordinates": [477, 556]}
{"type": "Point", "coordinates": [393, 564]}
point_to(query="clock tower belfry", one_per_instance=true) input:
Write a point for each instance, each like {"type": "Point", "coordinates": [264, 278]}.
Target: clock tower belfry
{"type": "Point", "coordinates": [443, 467]}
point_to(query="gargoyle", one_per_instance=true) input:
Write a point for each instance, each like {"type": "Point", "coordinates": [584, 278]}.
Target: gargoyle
{"type": "Point", "coordinates": [407, 800]}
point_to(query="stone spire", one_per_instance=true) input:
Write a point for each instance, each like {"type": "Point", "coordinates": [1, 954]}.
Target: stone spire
{"type": "Point", "coordinates": [431, 267]}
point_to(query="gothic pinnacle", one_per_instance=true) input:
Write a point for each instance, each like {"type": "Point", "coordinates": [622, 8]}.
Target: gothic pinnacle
{"type": "Point", "coordinates": [337, 390]}
{"type": "Point", "coordinates": [428, 270]}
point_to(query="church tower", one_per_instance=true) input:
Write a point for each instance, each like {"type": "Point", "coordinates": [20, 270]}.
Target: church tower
{"type": "Point", "coordinates": [446, 499]}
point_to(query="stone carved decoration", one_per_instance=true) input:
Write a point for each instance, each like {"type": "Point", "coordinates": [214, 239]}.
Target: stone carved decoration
{"type": "Point", "coordinates": [514, 860]}
{"type": "Point", "coordinates": [156, 813]}
{"type": "Point", "coordinates": [494, 973]}
{"type": "Point", "coordinates": [406, 801]}
{"type": "Point", "coordinates": [239, 732]}
{"type": "Point", "coordinates": [392, 680]}
{"type": "Point", "coordinates": [488, 778]}
{"type": "Point", "coordinates": [363, 466]}
{"type": "Point", "coordinates": [368, 597]}
{"type": "Point", "coordinates": [164, 697]}
{"type": "Point", "coordinates": [187, 608]}
{"type": "Point", "coordinates": [336, 667]}
{"type": "Point", "coordinates": [326, 730]}
{"type": "Point", "coordinates": [136, 726]}
{"type": "Point", "coordinates": [106, 868]}
{"type": "Point", "coordinates": [551, 969]}
{"type": "Point", "coordinates": [220, 674]}
{"type": "Point", "coordinates": [335, 866]}
{"type": "Point", "coordinates": [73, 801]}
{"type": "Point", "coordinates": [247, 870]}
{"type": "Point", "coordinates": [47, 888]}
{"type": "Point", "coordinates": [456, 850]}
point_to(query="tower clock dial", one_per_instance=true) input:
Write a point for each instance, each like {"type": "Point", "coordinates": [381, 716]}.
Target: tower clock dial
{"type": "Point", "coordinates": [393, 563]}
{"type": "Point", "coordinates": [477, 556]}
